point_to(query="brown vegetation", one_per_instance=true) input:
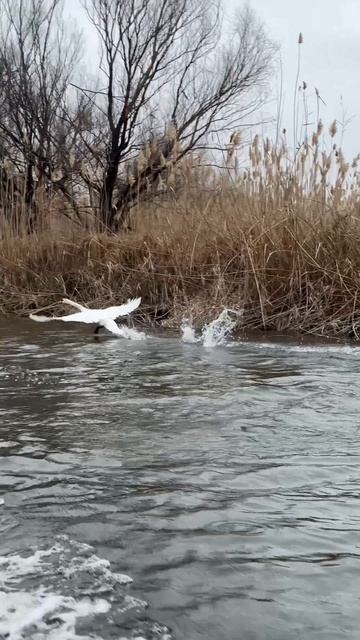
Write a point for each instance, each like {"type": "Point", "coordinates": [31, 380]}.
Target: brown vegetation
{"type": "Point", "coordinates": [276, 241]}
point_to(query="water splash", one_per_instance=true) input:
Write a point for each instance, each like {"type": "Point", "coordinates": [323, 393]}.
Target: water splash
{"type": "Point", "coordinates": [215, 333]}
{"type": "Point", "coordinates": [131, 334]}
{"type": "Point", "coordinates": [188, 332]}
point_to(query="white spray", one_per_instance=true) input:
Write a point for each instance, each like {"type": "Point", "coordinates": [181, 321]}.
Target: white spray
{"type": "Point", "coordinates": [188, 332]}
{"type": "Point", "coordinates": [214, 333]}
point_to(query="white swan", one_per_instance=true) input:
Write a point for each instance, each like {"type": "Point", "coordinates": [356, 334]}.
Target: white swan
{"type": "Point", "coordinates": [101, 317]}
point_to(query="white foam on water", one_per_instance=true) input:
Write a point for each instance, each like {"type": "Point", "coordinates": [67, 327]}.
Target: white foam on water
{"type": "Point", "coordinates": [132, 603]}
{"type": "Point", "coordinates": [159, 631]}
{"type": "Point", "coordinates": [44, 595]}
{"type": "Point", "coordinates": [331, 349]}
{"type": "Point", "coordinates": [2, 502]}
{"type": "Point", "coordinates": [14, 567]}
{"type": "Point", "coordinates": [42, 615]}
{"type": "Point", "coordinates": [93, 564]}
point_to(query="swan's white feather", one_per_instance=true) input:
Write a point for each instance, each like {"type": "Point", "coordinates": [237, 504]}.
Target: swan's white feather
{"type": "Point", "coordinates": [88, 316]}
{"type": "Point", "coordinates": [41, 318]}
{"type": "Point", "coordinates": [74, 304]}
{"type": "Point", "coordinates": [115, 312]}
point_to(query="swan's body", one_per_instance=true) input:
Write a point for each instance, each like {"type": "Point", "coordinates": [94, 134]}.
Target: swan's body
{"type": "Point", "coordinates": [101, 317]}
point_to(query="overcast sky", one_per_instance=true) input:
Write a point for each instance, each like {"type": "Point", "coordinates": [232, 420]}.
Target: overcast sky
{"type": "Point", "coordinates": [330, 55]}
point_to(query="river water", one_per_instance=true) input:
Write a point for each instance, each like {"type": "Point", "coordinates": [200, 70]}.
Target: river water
{"type": "Point", "coordinates": [159, 490]}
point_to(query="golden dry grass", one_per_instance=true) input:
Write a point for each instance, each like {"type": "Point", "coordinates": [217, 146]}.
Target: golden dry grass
{"type": "Point", "coordinates": [277, 241]}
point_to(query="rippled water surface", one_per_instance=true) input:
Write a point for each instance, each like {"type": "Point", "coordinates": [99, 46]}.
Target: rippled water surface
{"type": "Point", "coordinates": [158, 490]}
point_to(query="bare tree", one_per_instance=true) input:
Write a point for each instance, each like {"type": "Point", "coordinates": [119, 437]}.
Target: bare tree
{"type": "Point", "coordinates": [37, 58]}
{"type": "Point", "coordinates": [172, 80]}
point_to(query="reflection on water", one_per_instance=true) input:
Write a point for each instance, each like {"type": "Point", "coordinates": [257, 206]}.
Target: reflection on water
{"type": "Point", "coordinates": [224, 482]}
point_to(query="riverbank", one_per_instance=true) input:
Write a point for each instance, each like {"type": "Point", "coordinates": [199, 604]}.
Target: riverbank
{"type": "Point", "coordinates": [287, 268]}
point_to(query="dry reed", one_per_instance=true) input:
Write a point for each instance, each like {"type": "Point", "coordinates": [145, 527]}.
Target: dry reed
{"type": "Point", "coordinates": [279, 239]}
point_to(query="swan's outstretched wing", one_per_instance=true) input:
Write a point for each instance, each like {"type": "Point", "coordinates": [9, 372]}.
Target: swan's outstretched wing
{"type": "Point", "coordinates": [111, 326]}
{"type": "Point", "coordinates": [78, 306]}
{"type": "Point", "coordinates": [42, 318]}
{"type": "Point", "coordinates": [88, 316]}
{"type": "Point", "coordinates": [112, 313]}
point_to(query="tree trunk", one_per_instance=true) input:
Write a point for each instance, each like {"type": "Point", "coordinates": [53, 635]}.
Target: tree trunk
{"type": "Point", "coordinates": [107, 212]}
{"type": "Point", "coordinates": [31, 206]}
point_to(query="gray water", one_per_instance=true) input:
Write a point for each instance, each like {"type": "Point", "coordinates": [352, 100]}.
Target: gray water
{"type": "Point", "coordinates": [224, 482]}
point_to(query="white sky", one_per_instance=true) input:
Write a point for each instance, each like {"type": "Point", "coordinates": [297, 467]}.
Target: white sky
{"type": "Point", "coordinates": [330, 56]}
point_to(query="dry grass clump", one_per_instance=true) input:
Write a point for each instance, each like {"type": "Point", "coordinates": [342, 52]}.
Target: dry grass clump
{"type": "Point", "coordinates": [279, 239]}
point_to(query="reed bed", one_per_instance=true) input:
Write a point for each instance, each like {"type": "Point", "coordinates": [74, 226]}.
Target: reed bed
{"type": "Point", "coordinates": [278, 238]}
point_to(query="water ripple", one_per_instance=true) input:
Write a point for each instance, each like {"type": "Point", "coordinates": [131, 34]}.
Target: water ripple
{"type": "Point", "coordinates": [224, 481]}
